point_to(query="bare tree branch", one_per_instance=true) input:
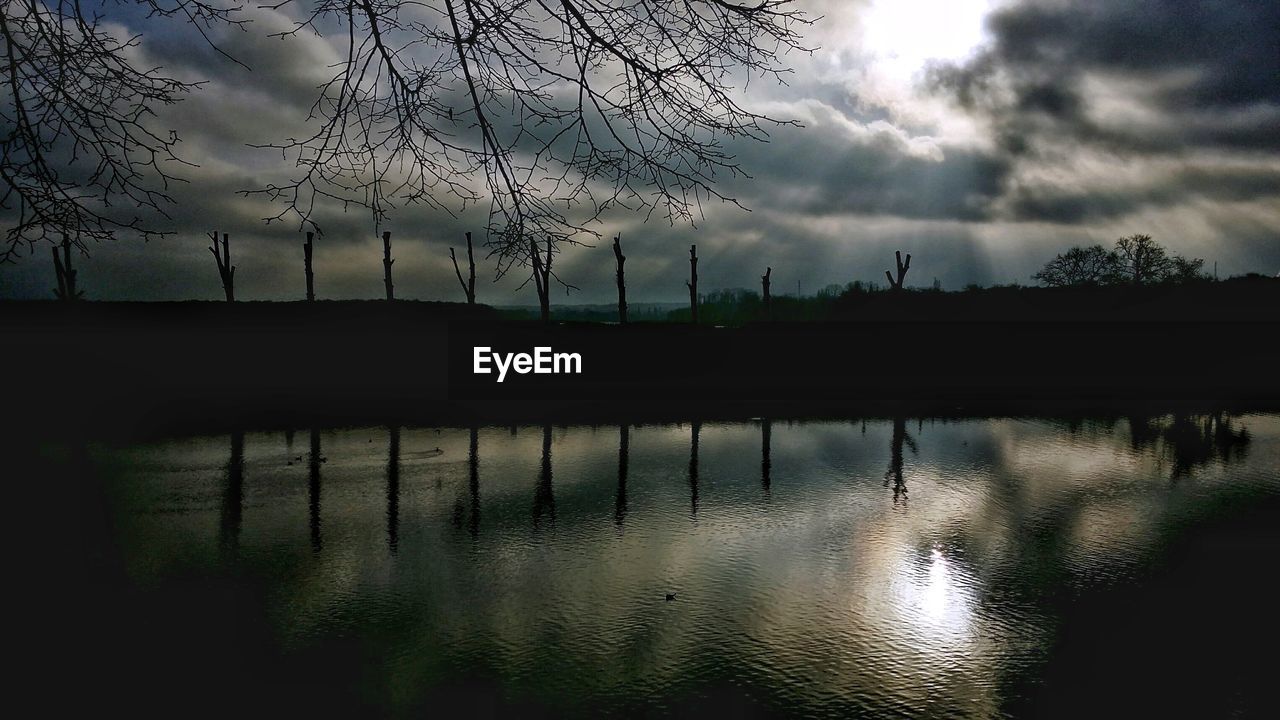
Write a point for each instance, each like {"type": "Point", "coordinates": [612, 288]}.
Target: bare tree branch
{"type": "Point", "coordinates": [552, 110]}
{"type": "Point", "coordinates": [78, 156]}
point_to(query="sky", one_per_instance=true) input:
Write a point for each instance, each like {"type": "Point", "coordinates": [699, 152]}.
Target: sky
{"type": "Point", "coordinates": [981, 136]}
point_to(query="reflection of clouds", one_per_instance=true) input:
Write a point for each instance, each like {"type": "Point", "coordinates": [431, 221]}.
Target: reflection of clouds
{"type": "Point", "coordinates": [825, 592]}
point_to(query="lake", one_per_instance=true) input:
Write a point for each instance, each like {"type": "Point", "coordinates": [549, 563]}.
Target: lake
{"type": "Point", "coordinates": [879, 567]}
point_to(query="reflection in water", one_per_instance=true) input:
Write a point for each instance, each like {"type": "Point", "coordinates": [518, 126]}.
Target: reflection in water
{"type": "Point", "coordinates": [544, 499]}
{"type": "Point", "coordinates": [696, 429]}
{"type": "Point", "coordinates": [620, 502]}
{"type": "Point", "coordinates": [819, 601]}
{"type": "Point", "coordinates": [233, 497]}
{"type": "Point", "coordinates": [393, 490]}
{"type": "Point", "coordinates": [900, 437]}
{"type": "Point", "coordinates": [766, 431]}
{"type": "Point", "coordinates": [1189, 440]}
{"type": "Point", "coordinates": [473, 479]}
{"type": "Point", "coordinates": [313, 489]}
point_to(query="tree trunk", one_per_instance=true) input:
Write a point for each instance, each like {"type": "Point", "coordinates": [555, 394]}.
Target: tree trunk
{"type": "Point", "coordinates": [622, 283]}
{"type": "Point", "coordinates": [468, 285]}
{"type": "Point", "coordinates": [902, 270]}
{"type": "Point", "coordinates": [693, 282]}
{"type": "Point", "coordinates": [311, 278]}
{"type": "Point", "coordinates": [226, 270]}
{"type": "Point", "coordinates": [387, 262]}
{"type": "Point", "coordinates": [66, 274]}
{"type": "Point", "coordinates": [764, 281]}
{"type": "Point", "coordinates": [542, 279]}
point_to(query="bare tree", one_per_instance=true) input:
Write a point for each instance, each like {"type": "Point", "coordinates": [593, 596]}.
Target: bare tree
{"type": "Point", "coordinates": [387, 262]}
{"type": "Point", "coordinates": [692, 283]}
{"type": "Point", "coordinates": [66, 290]}
{"type": "Point", "coordinates": [79, 158]}
{"type": "Point", "coordinates": [564, 108]}
{"type": "Point", "coordinates": [1136, 259]}
{"type": "Point", "coordinates": [468, 285]}
{"type": "Point", "coordinates": [764, 283]}
{"type": "Point", "coordinates": [902, 267]}
{"type": "Point", "coordinates": [226, 271]}
{"type": "Point", "coordinates": [1094, 265]}
{"type": "Point", "coordinates": [307, 248]}
{"type": "Point", "coordinates": [1142, 259]}
{"type": "Point", "coordinates": [622, 280]}
{"type": "Point", "coordinates": [542, 278]}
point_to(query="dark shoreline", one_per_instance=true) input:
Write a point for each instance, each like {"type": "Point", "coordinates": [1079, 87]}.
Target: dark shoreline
{"type": "Point", "coordinates": [148, 368]}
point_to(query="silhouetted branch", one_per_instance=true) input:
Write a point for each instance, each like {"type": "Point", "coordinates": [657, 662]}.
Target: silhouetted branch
{"type": "Point", "coordinates": [554, 104]}
{"type": "Point", "coordinates": [79, 159]}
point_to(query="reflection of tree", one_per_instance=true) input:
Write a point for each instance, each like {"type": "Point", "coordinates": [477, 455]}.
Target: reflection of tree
{"type": "Point", "coordinates": [620, 504]}
{"type": "Point", "coordinates": [1189, 440]}
{"type": "Point", "coordinates": [693, 467]}
{"type": "Point", "coordinates": [313, 489]}
{"type": "Point", "coordinates": [894, 473]}
{"type": "Point", "coordinates": [233, 499]}
{"type": "Point", "coordinates": [393, 491]}
{"type": "Point", "coordinates": [766, 463]}
{"type": "Point", "coordinates": [544, 500]}
{"type": "Point", "coordinates": [473, 480]}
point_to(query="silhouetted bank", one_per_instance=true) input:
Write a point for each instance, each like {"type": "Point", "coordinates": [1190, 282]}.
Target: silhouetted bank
{"type": "Point", "coordinates": [148, 366]}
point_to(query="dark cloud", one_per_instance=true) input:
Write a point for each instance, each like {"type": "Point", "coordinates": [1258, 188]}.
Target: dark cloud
{"type": "Point", "coordinates": [1207, 70]}
{"type": "Point", "coordinates": [823, 170]}
{"type": "Point", "coordinates": [1164, 188]}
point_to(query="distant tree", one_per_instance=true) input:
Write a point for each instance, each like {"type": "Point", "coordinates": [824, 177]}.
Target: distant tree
{"type": "Point", "coordinates": [1142, 260]}
{"type": "Point", "coordinates": [1182, 270]}
{"type": "Point", "coordinates": [1136, 259]}
{"type": "Point", "coordinates": [1094, 265]}
{"type": "Point", "coordinates": [902, 270]}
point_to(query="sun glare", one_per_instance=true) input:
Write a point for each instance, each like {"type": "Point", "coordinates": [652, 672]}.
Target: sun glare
{"type": "Point", "coordinates": [903, 35]}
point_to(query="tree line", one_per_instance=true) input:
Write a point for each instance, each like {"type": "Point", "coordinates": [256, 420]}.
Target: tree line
{"type": "Point", "coordinates": [1134, 261]}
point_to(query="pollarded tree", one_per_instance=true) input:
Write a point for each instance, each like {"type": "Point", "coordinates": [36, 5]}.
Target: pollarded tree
{"type": "Point", "coordinates": [1094, 265]}
{"type": "Point", "coordinates": [79, 159]}
{"type": "Point", "coordinates": [565, 108]}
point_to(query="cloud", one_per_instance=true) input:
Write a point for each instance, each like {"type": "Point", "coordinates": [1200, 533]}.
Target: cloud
{"type": "Point", "coordinates": [1076, 122]}
{"type": "Point", "coordinates": [1205, 71]}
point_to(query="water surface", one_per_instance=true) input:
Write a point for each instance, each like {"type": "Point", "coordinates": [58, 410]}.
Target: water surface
{"type": "Point", "coordinates": [881, 567]}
